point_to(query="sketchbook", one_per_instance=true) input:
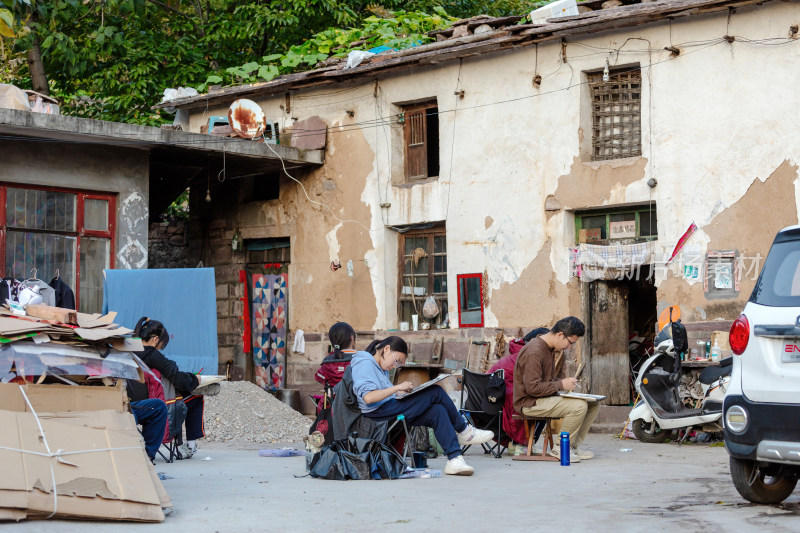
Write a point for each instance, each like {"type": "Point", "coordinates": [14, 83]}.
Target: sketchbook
{"type": "Point", "coordinates": [434, 381]}
{"type": "Point", "coordinates": [582, 396]}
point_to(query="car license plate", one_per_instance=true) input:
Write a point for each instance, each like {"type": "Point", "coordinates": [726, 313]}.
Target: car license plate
{"type": "Point", "coordinates": [791, 352]}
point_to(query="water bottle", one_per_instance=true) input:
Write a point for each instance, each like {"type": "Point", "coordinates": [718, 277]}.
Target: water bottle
{"type": "Point", "coordinates": [715, 352]}
{"type": "Point", "coordinates": [564, 448]}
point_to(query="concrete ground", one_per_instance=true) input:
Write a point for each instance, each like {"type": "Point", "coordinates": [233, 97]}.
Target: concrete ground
{"type": "Point", "coordinates": [687, 488]}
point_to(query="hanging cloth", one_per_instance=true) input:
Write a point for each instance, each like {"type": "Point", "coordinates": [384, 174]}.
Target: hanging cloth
{"type": "Point", "coordinates": [9, 290]}
{"type": "Point", "coordinates": [45, 291]}
{"type": "Point", "coordinates": [64, 296]}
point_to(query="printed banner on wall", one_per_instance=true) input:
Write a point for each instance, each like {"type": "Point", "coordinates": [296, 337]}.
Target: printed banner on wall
{"type": "Point", "coordinates": [269, 308]}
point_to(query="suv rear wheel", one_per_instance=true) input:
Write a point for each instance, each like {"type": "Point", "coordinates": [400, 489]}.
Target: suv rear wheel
{"type": "Point", "coordinates": [758, 486]}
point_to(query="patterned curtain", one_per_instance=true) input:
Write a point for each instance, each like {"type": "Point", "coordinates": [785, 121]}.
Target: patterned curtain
{"type": "Point", "coordinates": [269, 322]}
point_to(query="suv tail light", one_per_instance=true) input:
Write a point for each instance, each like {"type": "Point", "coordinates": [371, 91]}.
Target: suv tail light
{"type": "Point", "coordinates": [739, 335]}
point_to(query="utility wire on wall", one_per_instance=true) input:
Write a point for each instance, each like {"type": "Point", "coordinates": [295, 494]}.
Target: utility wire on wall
{"type": "Point", "coordinates": [391, 119]}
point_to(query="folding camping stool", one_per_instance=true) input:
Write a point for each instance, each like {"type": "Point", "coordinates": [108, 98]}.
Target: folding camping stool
{"type": "Point", "coordinates": [532, 434]}
{"type": "Point", "coordinates": [172, 438]}
{"type": "Point", "coordinates": [407, 442]}
{"type": "Point", "coordinates": [172, 449]}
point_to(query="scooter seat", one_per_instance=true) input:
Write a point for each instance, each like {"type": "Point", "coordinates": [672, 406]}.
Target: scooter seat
{"type": "Point", "coordinates": [710, 374]}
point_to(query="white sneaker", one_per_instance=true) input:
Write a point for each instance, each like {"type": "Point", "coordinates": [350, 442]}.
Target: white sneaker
{"type": "Point", "coordinates": [555, 451]}
{"type": "Point", "coordinates": [187, 451]}
{"type": "Point", "coordinates": [583, 455]}
{"type": "Point", "coordinates": [458, 467]}
{"type": "Point", "coordinates": [473, 435]}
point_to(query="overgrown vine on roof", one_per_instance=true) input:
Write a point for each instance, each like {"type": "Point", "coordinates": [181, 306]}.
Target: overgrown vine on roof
{"type": "Point", "coordinates": [397, 30]}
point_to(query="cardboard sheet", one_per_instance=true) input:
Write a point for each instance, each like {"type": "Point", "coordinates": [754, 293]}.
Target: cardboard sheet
{"type": "Point", "coordinates": [10, 326]}
{"type": "Point", "coordinates": [127, 344]}
{"type": "Point", "coordinates": [55, 398]}
{"type": "Point", "coordinates": [114, 482]}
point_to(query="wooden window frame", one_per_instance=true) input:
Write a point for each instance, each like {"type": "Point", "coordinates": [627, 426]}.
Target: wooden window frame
{"type": "Point", "coordinates": [608, 213]}
{"type": "Point", "coordinates": [79, 233]}
{"type": "Point", "coordinates": [718, 257]}
{"type": "Point", "coordinates": [616, 113]}
{"type": "Point", "coordinates": [441, 297]}
{"type": "Point", "coordinates": [416, 140]}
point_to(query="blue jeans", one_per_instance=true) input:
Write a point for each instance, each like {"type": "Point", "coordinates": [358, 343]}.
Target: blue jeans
{"type": "Point", "coordinates": [431, 407]}
{"type": "Point", "coordinates": [152, 415]}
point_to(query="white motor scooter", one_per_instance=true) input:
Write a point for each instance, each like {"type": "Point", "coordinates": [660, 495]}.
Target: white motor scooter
{"type": "Point", "coordinates": [660, 408]}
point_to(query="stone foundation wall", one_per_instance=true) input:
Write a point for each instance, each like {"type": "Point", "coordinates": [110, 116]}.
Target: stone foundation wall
{"type": "Point", "coordinates": [168, 245]}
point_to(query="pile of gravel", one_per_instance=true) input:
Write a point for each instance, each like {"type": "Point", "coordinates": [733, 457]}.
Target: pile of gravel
{"type": "Point", "coordinates": [244, 412]}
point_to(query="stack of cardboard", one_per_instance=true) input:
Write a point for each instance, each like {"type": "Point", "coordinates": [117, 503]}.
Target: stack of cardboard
{"type": "Point", "coordinates": [71, 451]}
{"type": "Point", "coordinates": [42, 323]}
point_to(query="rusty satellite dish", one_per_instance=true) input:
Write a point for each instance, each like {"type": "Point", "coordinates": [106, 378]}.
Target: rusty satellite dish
{"type": "Point", "coordinates": [246, 118]}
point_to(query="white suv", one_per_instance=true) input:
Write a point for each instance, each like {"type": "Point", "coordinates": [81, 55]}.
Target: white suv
{"type": "Point", "coordinates": [761, 411]}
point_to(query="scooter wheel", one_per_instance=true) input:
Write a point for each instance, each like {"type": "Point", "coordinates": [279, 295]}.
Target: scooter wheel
{"type": "Point", "coordinates": [649, 432]}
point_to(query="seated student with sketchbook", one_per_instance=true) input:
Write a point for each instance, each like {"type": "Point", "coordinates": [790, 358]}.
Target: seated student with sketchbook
{"type": "Point", "coordinates": [537, 384]}
{"type": "Point", "coordinates": [154, 339]}
{"type": "Point", "coordinates": [432, 407]}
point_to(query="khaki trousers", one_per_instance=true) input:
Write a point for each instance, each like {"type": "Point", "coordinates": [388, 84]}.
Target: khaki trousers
{"type": "Point", "coordinates": [577, 415]}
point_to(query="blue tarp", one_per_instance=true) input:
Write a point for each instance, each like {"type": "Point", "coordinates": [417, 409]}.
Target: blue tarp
{"type": "Point", "coordinates": [183, 299]}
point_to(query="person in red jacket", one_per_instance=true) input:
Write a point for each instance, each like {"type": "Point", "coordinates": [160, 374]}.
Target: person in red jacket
{"type": "Point", "coordinates": [515, 429]}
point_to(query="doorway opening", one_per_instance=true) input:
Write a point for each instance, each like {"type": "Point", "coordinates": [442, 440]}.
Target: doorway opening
{"type": "Point", "coordinates": [620, 328]}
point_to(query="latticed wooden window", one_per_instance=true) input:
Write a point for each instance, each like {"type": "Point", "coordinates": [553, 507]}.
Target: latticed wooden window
{"type": "Point", "coordinates": [616, 114]}
{"type": "Point", "coordinates": [421, 132]}
{"type": "Point", "coordinates": [423, 273]}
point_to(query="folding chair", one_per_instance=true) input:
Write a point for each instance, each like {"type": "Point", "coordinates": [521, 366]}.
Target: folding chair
{"type": "Point", "coordinates": [480, 411]}
{"type": "Point", "coordinates": [176, 414]}
{"type": "Point", "coordinates": [348, 419]}
{"type": "Point", "coordinates": [159, 387]}
{"type": "Point", "coordinates": [401, 419]}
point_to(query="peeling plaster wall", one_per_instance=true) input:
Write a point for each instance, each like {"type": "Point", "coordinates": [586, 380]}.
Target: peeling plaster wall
{"type": "Point", "coordinates": [712, 137]}
{"type": "Point", "coordinates": [769, 206]}
{"type": "Point", "coordinates": [82, 167]}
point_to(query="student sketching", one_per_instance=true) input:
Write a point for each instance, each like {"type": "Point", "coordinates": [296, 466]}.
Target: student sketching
{"type": "Point", "coordinates": [537, 382]}
{"type": "Point", "coordinates": [154, 338]}
{"type": "Point", "coordinates": [431, 407]}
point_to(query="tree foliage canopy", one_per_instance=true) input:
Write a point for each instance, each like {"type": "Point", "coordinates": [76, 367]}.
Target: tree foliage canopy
{"type": "Point", "coordinates": [112, 59]}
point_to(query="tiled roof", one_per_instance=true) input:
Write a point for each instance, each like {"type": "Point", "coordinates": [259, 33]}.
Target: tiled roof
{"type": "Point", "coordinates": [474, 36]}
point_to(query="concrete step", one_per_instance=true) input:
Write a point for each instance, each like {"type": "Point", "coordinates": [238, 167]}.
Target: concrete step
{"type": "Point", "coordinates": [611, 419]}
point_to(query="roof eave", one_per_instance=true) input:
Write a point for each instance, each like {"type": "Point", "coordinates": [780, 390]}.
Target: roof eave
{"type": "Point", "coordinates": [456, 48]}
{"type": "Point", "coordinates": [27, 124]}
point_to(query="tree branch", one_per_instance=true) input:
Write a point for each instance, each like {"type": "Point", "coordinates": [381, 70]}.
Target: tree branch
{"type": "Point", "coordinates": [179, 12]}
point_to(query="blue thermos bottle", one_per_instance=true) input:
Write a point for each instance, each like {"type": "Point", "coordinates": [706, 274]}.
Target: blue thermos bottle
{"type": "Point", "coordinates": [564, 448]}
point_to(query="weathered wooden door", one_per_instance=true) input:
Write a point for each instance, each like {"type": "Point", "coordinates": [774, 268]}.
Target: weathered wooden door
{"type": "Point", "coordinates": [610, 366]}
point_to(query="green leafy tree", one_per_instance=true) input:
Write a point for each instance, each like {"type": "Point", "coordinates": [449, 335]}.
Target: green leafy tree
{"type": "Point", "coordinates": [397, 30]}
{"type": "Point", "coordinates": [112, 59]}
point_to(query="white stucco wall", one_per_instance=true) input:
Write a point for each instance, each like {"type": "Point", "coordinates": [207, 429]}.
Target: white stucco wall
{"type": "Point", "coordinates": [714, 119]}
